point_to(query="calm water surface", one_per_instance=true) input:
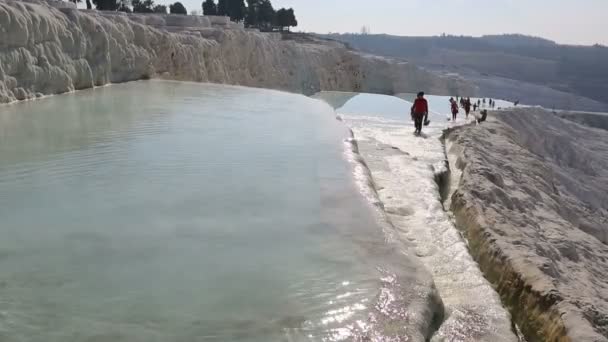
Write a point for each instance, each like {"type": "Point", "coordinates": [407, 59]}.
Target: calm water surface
{"type": "Point", "coordinates": [164, 211]}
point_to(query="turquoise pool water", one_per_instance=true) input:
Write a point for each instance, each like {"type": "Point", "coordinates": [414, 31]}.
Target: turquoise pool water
{"type": "Point", "coordinates": [165, 211]}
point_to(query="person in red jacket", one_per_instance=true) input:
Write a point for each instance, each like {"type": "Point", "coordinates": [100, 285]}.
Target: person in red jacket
{"type": "Point", "coordinates": [420, 112]}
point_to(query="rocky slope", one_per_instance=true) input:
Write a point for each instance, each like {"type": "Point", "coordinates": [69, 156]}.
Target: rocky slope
{"type": "Point", "coordinates": [532, 201]}
{"type": "Point", "coordinates": [597, 120]}
{"type": "Point", "coordinates": [46, 50]}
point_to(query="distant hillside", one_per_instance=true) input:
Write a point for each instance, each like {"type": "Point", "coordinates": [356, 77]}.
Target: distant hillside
{"type": "Point", "coordinates": [515, 40]}
{"type": "Point", "coordinates": [581, 70]}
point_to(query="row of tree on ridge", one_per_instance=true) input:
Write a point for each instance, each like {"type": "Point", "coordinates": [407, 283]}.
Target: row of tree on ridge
{"type": "Point", "coordinates": [137, 6]}
{"type": "Point", "coordinates": [257, 13]}
{"type": "Point", "coordinates": [254, 13]}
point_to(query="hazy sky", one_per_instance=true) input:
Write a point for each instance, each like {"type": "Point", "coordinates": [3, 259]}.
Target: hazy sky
{"type": "Point", "coordinates": [565, 21]}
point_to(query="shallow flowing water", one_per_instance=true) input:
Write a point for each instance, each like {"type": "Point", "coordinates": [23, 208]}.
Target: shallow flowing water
{"type": "Point", "coordinates": [165, 211]}
{"type": "Point", "coordinates": [405, 168]}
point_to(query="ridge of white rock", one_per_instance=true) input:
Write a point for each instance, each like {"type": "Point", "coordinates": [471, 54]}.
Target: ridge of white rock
{"type": "Point", "coordinates": [48, 50]}
{"type": "Point", "coordinates": [532, 201]}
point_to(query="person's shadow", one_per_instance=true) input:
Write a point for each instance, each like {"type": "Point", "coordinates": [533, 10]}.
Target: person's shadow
{"type": "Point", "coordinates": [421, 135]}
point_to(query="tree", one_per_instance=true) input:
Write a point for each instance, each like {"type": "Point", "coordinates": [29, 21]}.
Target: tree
{"type": "Point", "coordinates": [108, 5]}
{"type": "Point", "coordinates": [209, 7]}
{"type": "Point", "coordinates": [266, 15]}
{"type": "Point", "coordinates": [281, 18]}
{"type": "Point", "coordinates": [236, 10]}
{"type": "Point", "coordinates": [291, 19]}
{"type": "Point", "coordinates": [160, 9]}
{"type": "Point", "coordinates": [111, 5]}
{"type": "Point", "coordinates": [178, 8]}
{"type": "Point", "coordinates": [89, 6]}
{"type": "Point", "coordinates": [251, 17]}
{"type": "Point", "coordinates": [252, 3]}
{"type": "Point", "coordinates": [261, 14]}
{"type": "Point", "coordinates": [286, 18]}
{"type": "Point", "coordinates": [123, 7]}
{"type": "Point", "coordinates": [142, 6]}
{"type": "Point", "coordinates": [222, 7]}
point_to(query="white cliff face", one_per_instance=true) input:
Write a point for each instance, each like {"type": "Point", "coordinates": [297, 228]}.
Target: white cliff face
{"type": "Point", "coordinates": [46, 50]}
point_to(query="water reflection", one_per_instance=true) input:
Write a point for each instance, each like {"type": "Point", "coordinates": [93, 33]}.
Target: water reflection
{"type": "Point", "coordinates": [165, 211]}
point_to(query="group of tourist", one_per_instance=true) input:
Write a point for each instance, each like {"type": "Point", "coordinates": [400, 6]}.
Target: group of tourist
{"type": "Point", "coordinates": [420, 109]}
{"type": "Point", "coordinates": [466, 104]}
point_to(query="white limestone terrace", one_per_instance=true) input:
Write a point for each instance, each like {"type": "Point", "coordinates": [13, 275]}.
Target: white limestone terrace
{"type": "Point", "coordinates": [182, 23]}
{"type": "Point", "coordinates": [47, 50]}
{"type": "Point", "coordinates": [527, 189]}
{"type": "Point", "coordinates": [531, 198]}
{"type": "Point", "coordinates": [160, 20]}
{"type": "Point", "coordinates": [408, 175]}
